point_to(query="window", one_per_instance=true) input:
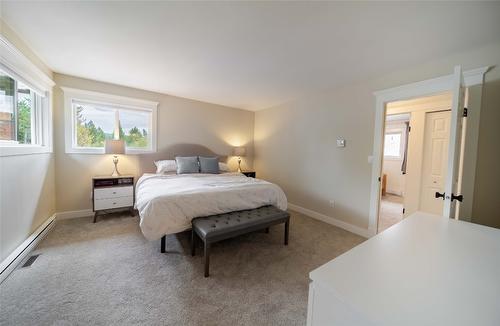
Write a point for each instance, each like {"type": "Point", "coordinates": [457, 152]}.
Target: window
{"type": "Point", "coordinates": [24, 117]}
{"type": "Point", "coordinates": [392, 144]}
{"type": "Point", "coordinates": [25, 108]}
{"type": "Point", "coordinates": [18, 107]}
{"type": "Point", "coordinates": [95, 117]}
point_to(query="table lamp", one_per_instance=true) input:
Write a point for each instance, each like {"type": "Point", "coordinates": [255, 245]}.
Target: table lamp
{"type": "Point", "coordinates": [115, 147]}
{"type": "Point", "coordinates": [239, 151]}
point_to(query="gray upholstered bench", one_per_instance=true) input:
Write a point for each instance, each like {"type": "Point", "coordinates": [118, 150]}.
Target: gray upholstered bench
{"type": "Point", "coordinates": [216, 228]}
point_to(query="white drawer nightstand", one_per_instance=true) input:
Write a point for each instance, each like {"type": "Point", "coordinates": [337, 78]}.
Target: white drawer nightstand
{"type": "Point", "coordinates": [112, 193]}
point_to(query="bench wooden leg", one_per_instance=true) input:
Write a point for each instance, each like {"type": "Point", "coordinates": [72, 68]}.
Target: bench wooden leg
{"type": "Point", "coordinates": [163, 244]}
{"type": "Point", "coordinates": [193, 243]}
{"type": "Point", "coordinates": [287, 225]}
{"type": "Point", "coordinates": [206, 258]}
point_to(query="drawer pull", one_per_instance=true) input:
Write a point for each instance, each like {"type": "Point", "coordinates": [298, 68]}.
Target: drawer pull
{"type": "Point", "coordinates": [114, 192]}
{"type": "Point", "coordinates": [114, 203]}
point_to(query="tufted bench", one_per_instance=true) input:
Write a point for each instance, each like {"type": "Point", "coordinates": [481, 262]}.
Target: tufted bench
{"type": "Point", "coordinates": [215, 228]}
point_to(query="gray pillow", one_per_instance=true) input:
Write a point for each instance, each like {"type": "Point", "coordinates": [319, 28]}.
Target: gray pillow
{"type": "Point", "coordinates": [187, 164]}
{"type": "Point", "coordinates": [209, 164]}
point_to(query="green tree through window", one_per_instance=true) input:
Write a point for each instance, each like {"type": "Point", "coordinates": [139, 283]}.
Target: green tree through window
{"type": "Point", "coordinates": [91, 135]}
{"type": "Point", "coordinates": [24, 121]}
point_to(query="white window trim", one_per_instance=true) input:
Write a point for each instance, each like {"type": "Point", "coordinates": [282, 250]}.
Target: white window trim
{"type": "Point", "coordinates": [14, 63]}
{"type": "Point", "coordinates": [401, 147]}
{"type": "Point", "coordinates": [71, 94]}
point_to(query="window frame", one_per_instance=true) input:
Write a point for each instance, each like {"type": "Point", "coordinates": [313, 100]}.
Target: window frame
{"type": "Point", "coordinates": [401, 142]}
{"type": "Point", "coordinates": [14, 64]}
{"type": "Point", "coordinates": [115, 101]}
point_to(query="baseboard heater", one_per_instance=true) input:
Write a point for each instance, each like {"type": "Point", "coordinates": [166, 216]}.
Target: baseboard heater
{"type": "Point", "coordinates": [23, 250]}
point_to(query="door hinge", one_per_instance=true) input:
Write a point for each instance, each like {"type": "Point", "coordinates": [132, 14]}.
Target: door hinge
{"type": "Point", "coordinates": [465, 113]}
{"type": "Point", "coordinates": [403, 210]}
{"type": "Point", "coordinates": [378, 179]}
{"type": "Point", "coordinates": [409, 128]}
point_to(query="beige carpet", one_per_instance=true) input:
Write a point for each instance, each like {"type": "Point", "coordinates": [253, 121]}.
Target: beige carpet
{"type": "Point", "coordinates": [108, 274]}
{"type": "Point", "coordinates": [391, 211]}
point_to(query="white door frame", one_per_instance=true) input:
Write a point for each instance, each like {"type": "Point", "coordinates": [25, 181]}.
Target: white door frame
{"type": "Point", "coordinates": [419, 89]}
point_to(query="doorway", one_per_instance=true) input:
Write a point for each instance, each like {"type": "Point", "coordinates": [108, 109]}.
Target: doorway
{"type": "Point", "coordinates": [459, 184]}
{"type": "Point", "coordinates": [394, 169]}
{"type": "Point", "coordinates": [415, 157]}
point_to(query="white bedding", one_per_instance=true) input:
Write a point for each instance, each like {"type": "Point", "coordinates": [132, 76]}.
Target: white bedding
{"type": "Point", "coordinates": [168, 203]}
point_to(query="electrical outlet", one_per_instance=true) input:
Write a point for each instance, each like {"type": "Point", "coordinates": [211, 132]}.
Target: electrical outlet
{"type": "Point", "coordinates": [332, 203]}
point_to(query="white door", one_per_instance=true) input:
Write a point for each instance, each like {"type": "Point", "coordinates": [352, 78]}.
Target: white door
{"type": "Point", "coordinates": [457, 108]}
{"type": "Point", "coordinates": [435, 160]}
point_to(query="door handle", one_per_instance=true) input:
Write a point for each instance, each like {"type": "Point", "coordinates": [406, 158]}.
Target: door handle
{"type": "Point", "coordinates": [438, 195]}
{"type": "Point", "coordinates": [458, 197]}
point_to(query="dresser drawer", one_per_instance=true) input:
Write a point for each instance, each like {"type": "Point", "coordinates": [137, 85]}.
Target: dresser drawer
{"type": "Point", "coordinates": [113, 192]}
{"type": "Point", "coordinates": [109, 203]}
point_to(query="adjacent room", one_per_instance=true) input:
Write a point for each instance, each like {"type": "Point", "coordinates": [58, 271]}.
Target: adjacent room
{"type": "Point", "coordinates": [249, 163]}
{"type": "Point", "coordinates": [396, 137]}
{"type": "Point", "coordinates": [416, 145]}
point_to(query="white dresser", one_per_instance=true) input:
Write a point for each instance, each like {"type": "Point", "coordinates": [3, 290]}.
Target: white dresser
{"type": "Point", "coordinates": [425, 270]}
{"type": "Point", "coordinates": [112, 193]}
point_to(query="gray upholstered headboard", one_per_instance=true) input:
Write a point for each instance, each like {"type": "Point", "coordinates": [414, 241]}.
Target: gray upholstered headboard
{"type": "Point", "coordinates": [146, 161]}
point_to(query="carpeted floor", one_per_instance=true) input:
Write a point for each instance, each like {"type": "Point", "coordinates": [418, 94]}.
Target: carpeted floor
{"type": "Point", "coordinates": [391, 211]}
{"type": "Point", "coordinates": [108, 274]}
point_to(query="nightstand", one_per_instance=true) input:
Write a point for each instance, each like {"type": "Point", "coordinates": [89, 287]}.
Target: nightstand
{"type": "Point", "coordinates": [112, 193]}
{"type": "Point", "coordinates": [250, 174]}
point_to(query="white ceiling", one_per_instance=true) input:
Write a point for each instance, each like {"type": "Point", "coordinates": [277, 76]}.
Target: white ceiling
{"type": "Point", "coordinates": [249, 55]}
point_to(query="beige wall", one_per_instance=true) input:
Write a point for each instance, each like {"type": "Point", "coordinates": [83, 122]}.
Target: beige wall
{"type": "Point", "coordinates": [180, 121]}
{"type": "Point", "coordinates": [486, 207]}
{"type": "Point", "coordinates": [27, 186]}
{"type": "Point", "coordinates": [295, 147]}
{"type": "Point", "coordinates": [295, 142]}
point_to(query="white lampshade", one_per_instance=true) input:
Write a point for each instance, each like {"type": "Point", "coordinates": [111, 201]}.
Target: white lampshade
{"type": "Point", "coordinates": [114, 146]}
{"type": "Point", "coordinates": [239, 151]}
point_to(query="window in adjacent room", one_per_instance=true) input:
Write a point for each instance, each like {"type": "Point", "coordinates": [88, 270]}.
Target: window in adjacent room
{"type": "Point", "coordinates": [94, 119]}
{"type": "Point", "coordinates": [392, 144]}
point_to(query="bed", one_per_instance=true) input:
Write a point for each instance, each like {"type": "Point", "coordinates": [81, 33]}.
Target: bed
{"type": "Point", "coordinates": [168, 203]}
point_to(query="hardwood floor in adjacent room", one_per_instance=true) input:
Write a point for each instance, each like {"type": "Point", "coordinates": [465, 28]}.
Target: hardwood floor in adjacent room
{"type": "Point", "coordinates": [107, 273]}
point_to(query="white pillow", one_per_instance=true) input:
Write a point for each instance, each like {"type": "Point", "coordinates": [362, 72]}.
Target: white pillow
{"type": "Point", "coordinates": [223, 167]}
{"type": "Point", "coordinates": [166, 166]}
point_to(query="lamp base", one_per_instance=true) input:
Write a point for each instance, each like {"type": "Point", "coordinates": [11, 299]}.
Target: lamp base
{"type": "Point", "coordinates": [115, 170]}
{"type": "Point", "coordinates": [239, 165]}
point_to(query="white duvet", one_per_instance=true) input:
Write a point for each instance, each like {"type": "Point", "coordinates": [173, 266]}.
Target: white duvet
{"type": "Point", "coordinates": [168, 203]}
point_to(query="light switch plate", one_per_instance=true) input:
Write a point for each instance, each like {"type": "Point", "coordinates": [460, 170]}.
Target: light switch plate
{"type": "Point", "coordinates": [340, 142]}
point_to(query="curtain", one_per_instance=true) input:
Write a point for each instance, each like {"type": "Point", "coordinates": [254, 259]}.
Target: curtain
{"type": "Point", "coordinates": [405, 154]}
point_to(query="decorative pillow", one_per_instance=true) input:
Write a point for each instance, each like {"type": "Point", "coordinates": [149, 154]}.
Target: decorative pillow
{"type": "Point", "coordinates": [209, 164]}
{"type": "Point", "coordinates": [223, 167]}
{"type": "Point", "coordinates": [187, 164]}
{"type": "Point", "coordinates": [166, 166]}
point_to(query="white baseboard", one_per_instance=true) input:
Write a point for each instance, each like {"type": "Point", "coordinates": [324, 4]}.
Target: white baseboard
{"type": "Point", "coordinates": [394, 192]}
{"type": "Point", "coordinates": [366, 233]}
{"type": "Point", "coordinates": [74, 214]}
{"type": "Point", "coordinates": [25, 248]}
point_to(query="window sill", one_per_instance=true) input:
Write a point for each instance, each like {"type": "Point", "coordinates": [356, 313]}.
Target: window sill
{"type": "Point", "coordinates": [13, 150]}
{"type": "Point", "coordinates": [100, 151]}
{"type": "Point", "coordinates": [393, 158]}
